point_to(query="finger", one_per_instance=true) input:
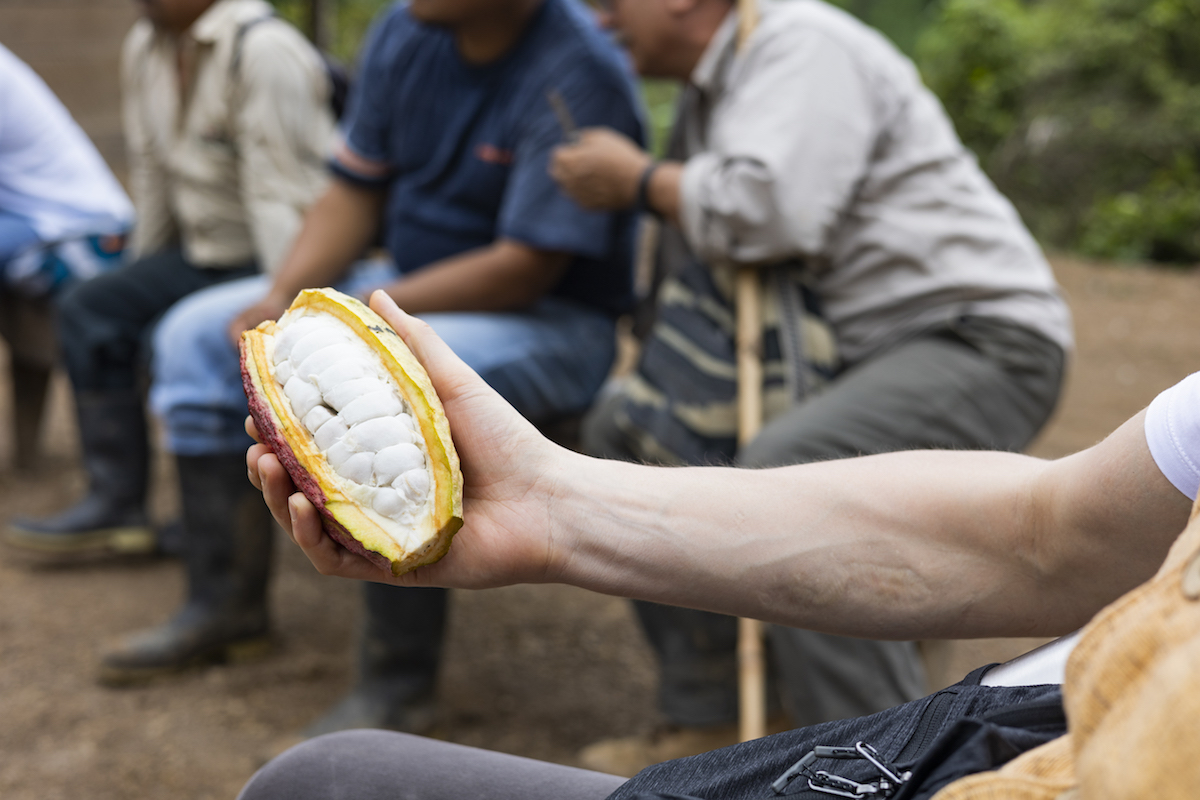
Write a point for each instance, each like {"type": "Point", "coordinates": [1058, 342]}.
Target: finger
{"type": "Point", "coordinates": [449, 374]}
{"type": "Point", "coordinates": [329, 557]}
{"type": "Point", "coordinates": [277, 487]}
{"type": "Point", "coordinates": [557, 155]}
{"type": "Point", "coordinates": [252, 429]}
{"type": "Point", "coordinates": [563, 172]}
{"type": "Point", "coordinates": [304, 522]}
{"type": "Point", "coordinates": [253, 454]}
{"type": "Point", "coordinates": [587, 135]}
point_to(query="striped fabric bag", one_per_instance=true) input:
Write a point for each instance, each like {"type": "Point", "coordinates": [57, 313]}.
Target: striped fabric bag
{"type": "Point", "coordinates": [680, 405]}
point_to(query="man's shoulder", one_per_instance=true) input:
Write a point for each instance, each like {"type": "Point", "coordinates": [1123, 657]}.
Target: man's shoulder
{"type": "Point", "coordinates": [139, 38]}
{"type": "Point", "coordinates": [569, 53]}
{"type": "Point", "coordinates": [786, 22]}
{"type": "Point", "coordinates": [395, 23]}
{"type": "Point", "coordinates": [254, 26]}
{"type": "Point", "coordinates": [272, 38]}
{"type": "Point", "coordinates": [570, 38]}
{"type": "Point", "coordinates": [392, 38]}
{"type": "Point", "coordinates": [804, 30]}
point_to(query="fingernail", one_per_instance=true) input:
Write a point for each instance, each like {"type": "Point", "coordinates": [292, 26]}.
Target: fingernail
{"type": "Point", "coordinates": [292, 510]}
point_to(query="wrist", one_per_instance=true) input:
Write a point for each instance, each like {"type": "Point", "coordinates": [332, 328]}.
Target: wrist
{"type": "Point", "coordinates": [563, 486]}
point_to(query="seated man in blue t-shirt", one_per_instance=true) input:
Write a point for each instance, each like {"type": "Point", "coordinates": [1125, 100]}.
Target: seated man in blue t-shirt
{"type": "Point", "coordinates": [444, 158]}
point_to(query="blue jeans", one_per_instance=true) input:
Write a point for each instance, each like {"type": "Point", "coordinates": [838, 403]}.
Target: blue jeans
{"type": "Point", "coordinates": [547, 360]}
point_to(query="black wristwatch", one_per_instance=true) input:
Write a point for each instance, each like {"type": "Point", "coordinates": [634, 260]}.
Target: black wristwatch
{"type": "Point", "coordinates": [641, 203]}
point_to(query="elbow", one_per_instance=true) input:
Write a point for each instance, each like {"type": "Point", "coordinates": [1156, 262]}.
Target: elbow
{"type": "Point", "coordinates": [741, 211]}
{"type": "Point", "coordinates": [528, 275]}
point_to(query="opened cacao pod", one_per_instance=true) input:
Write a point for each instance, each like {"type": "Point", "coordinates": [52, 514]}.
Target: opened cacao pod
{"type": "Point", "coordinates": [353, 417]}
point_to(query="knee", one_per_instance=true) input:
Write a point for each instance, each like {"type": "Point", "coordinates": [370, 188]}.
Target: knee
{"type": "Point", "coordinates": [189, 321]}
{"type": "Point", "coordinates": [189, 338]}
{"type": "Point", "coordinates": [335, 765]}
{"type": "Point", "coordinates": [176, 324]}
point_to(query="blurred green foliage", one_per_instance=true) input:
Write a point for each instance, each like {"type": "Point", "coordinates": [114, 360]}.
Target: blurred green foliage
{"type": "Point", "coordinates": [1086, 113]}
{"type": "Point", "coordinates": [660, 98]}
{"type": "Point", "coordinates": [903, 21]}
{"type": "Point", "coordinates": [348, 21]}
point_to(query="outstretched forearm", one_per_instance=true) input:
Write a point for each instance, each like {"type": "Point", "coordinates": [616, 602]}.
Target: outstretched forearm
{"type": "Point", "coordinates": [919, 544]}
{"type": "Point", "coordinates": [906, 545]}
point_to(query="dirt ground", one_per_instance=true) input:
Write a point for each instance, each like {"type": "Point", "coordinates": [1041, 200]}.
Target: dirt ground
{"type": "Point", "coordinates": [538, 671]}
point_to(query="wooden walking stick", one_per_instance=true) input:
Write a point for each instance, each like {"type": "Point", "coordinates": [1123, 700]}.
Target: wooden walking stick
{"type": "Point", "coordinates": [752, 683]}
{"type": "Point", "coordinates": [752, 672]}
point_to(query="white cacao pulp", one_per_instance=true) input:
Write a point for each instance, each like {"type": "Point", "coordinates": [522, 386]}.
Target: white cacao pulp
{"type": "Point", "coordinates": [339, 388]}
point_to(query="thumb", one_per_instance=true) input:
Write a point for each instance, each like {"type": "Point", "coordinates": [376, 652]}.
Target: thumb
{"type": "Point", "coordinates": [450, 375]}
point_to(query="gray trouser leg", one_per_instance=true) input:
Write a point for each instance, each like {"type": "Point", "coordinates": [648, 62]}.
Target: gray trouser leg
{"type": "Point", "coordinates": [823, 677]}
{"type": "Point", "coordinates": [934, 392]}
{"type": "Point", "coordinates": [977, 385]}
{"type": "Point", "coordinates": [382, 765]}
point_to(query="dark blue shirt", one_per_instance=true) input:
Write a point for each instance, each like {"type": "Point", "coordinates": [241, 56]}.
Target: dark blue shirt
{"type": "Point", "coordinates": [463, 149]}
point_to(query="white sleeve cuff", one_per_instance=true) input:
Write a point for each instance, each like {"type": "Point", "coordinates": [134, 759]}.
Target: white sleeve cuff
{"type": "Point", "coordinates": [1173, 434]}
{"type": "Point", "coordinates": [693, 219]}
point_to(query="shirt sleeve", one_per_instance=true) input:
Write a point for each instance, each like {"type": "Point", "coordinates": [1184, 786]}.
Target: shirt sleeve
{"type": "Point", "coordinates": [534, 211]}
{"type": "Point", "coordinates": [154, 226]}
{"type": "Point", "coordinates": [788, 147]}
{"type": "Point", "coordinates": [1173, 434]}
{"type": "Point", "coordinates": [363, 156]}
{"type": "Point", "coordinates": [283, 129]}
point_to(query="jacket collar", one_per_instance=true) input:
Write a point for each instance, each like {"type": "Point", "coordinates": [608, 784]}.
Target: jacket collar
{"type": "Point", "coordinates": [223, 15]}
{"type": "Point", "coordinates": [710, 70]}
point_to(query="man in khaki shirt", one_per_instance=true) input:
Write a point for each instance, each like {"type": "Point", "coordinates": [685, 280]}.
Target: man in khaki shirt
{"type": "Point", "coordinates": [811, 150]}
{"type": "Point", "coordinates": [227, 119]}
{"type": "Point", "coordinates": [225, 168]}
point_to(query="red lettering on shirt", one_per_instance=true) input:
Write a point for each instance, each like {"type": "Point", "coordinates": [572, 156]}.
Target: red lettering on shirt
{"type": "Point", "coordinates": [490, 154]}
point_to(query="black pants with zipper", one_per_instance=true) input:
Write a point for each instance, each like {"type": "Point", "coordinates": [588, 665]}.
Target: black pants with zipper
{"type": "Point", "coordinates": [104, 324]}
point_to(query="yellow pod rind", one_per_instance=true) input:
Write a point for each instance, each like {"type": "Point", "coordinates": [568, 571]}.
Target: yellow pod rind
{"type": "Point", "coordinates": [320, 483]}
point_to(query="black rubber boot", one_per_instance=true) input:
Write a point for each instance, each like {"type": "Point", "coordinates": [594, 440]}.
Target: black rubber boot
{"type": "Point", "coordinates": [116, 456]}
{"type": "Point", "coordinates": [399, 651]}
{"type": "Point", "coordinates": [227, 552]}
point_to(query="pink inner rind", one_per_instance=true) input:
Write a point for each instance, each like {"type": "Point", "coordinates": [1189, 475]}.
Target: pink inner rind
{"type": "Point", "coordinates": [272, 436]}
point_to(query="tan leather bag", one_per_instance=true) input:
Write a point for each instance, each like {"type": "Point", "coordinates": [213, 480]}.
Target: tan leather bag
{"type": "Point", "coordinates": [1132, 697]}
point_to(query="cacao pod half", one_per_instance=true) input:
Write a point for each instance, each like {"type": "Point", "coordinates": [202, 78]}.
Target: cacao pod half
{"type": "Point", "coordinates": [353, 417]}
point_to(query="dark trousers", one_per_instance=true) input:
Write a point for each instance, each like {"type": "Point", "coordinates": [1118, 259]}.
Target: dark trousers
{"type": "Point", "coordinates": [977, 384]}
{"type": "Point", "coordinates": [104, 323]}
{"type": "Point", "coordinates": [401, 644]}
